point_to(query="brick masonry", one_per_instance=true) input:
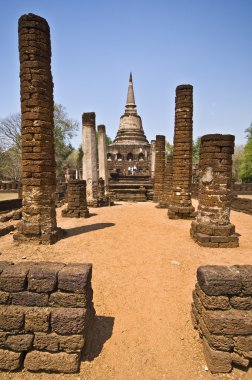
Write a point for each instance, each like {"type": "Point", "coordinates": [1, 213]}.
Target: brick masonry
{"type": "Point", "coordinates": [242, 205]}
{"type": "Point", "coordinates": [77, 201]}
{"type": "Point", "coordinates": [222, 313]}
{"type": "Point", "coordinates": [159, 168]}
{"type": "Point", "coordinates": [46, 315]}
{"type": "Point", "coordinates": [212, 227]}
{"type": "Point", "coordinates": [167, 188]}
{"type": "Point", "coordinates": [38, 157]}
{"type": "Point", "coordinates": [180, 202]}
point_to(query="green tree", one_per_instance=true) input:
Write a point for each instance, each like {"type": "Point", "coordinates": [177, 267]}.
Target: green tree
{"type": "Point", "coordinates": [10, 139]}
{"type": "Point", "coordinates": [246, 163]}
{"type": "Point", "coordinates": [196, 150]}
{"type": "Point", "coordinates": [108, 140]}
{"type": "Point", "coordinates": [236, 162]}
{"type": "Point", "coordinates": [64, 130]}
{"type": "Point", "coordinates": [168, 148]}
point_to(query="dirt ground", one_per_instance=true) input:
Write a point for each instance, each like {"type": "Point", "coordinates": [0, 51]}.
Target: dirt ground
{"type": "Point", "coordinates": [144, 268]}
{"type": "Point", "coordinates": [5, 196]}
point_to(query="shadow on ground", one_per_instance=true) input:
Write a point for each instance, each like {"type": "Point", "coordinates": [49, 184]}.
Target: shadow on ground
{"type": "Point", "coordinates": [102, 331]}
{"type": "Point", "coordinates": [84, 229]}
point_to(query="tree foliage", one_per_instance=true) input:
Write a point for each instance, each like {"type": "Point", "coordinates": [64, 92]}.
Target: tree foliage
{"type": "Point", "coordinates": [246, 163]}
{"type": "Point", "coordinates": [10, 141]}
{"type": "Point", "coordinates": [168, 148]}
{"type": "Point", "coordinates": [196, 150]}
{"type": "Point", "coordinates": [236, 162]}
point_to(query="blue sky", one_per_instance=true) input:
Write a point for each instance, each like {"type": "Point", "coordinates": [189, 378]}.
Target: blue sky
{"type": "Point", "coordinates": [95, 44]}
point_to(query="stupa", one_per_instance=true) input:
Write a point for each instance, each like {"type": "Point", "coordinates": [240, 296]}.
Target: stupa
{"type": "Point", "coordinates": [130, 151]}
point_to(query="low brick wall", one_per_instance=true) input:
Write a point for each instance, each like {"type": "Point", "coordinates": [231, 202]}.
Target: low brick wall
{"type": "Point", "coordinates": [10, 204]}
{"type": "Point", "coordinates": [222, 312]}
{"type": "Point", "coordinates": [46, 315]}
{"type": "Point", "coordinates": [242, 205]}
{"type": "Point", "coordinates": [242, 188]}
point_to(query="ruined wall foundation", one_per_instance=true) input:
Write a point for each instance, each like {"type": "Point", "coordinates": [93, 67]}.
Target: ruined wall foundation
{"type": "Point", "coordinates": [77, 202]}
{"type": "Point", "coordinates": [212, 227]}
{"type": "Point", "coordinates": [180, 202]}
{"type": "Point", "coordinates": [222, 313]}
{"type": "Point", "coordinates": [38, 157]}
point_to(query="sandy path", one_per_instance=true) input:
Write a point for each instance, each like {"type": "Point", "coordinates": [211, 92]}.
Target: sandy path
{"type": "Point", "coordinates": [144, 269]}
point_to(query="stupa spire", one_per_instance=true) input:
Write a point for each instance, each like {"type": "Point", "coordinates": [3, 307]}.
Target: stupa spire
{"type": "Point", "coordinates": [130, 107]}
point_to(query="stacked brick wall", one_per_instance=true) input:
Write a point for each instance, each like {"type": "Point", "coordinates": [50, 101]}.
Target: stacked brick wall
{"type": "Point", "coordinates": [242, 188]}
{"type": "Point", "coordinates": [46, 315]}
{"type": "Point", "coordinates": [212, 227]}
{"type": "Point", "coordinates": [11, 186]}
{"type": "Point", "coordinates": [180, 202]}
{"type": "Point", "coordinates": [38, 157]}
{"type": "Point", "coordinates": [159, 168]}
{"type": "Point", "coordinates": [242, 205]}
{"type": "Point", "coordinates": [77, 201]}
{"type": "Point", "coordinates": [222, 312]}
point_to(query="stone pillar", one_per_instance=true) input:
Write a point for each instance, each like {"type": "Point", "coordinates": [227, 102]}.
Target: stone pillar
{"type": "Point", "coordinates": [212, 227]}
{"type": "Point", "coordinates": [89, 146]}
{"type": "Point", "coordinates": [167, 189]}
{"type": "Point", "coordinates": [38, 157]}
{"type": "Point", "coordinates": [181, 204]}
{"type": "Point", "coordinates": [153, 157]}
{"type": "Point", "coordinates": [102, 156]}
{"type": "Point", "coordinates": [159, 168]}
{"type": "Point", "coordinates": [77, 201]}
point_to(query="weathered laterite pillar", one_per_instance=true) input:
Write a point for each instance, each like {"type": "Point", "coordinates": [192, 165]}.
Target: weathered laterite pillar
{"type": "Point", "coordinates": [212, 227]}
{"type": "Point", "coordinates": [38, 158]}
{"type": "Point", "coordinates": [102, 156]}
{"type": "Point", "coordinates": [89, 146]}
{"type": "Point", "coordinates": [167, 189]}
{"type": "Point", "coordinates": [77, 202]}
{"type": "Point", "coordinates": [181, 204]}
{"type": "Point", "coordinates": [159, 168]}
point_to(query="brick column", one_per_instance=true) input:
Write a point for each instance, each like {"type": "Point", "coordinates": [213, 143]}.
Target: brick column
{"type": "Point", "coordinates": [38, 158]}
{"type": "Point", "coordinates": [212, 227]}
{"type": "Point", "coordinates": [167, 188]}
{"type": "Point", "coordinates": [89, 146]}
{"type": "Point", "coordinates": [102, 156]}
{"type": "Point", "coordinates": [181, 204]}
{"type": "Point", "coordinates": [77, 201]}
{"type": "Point", "coordinates": [159, 168]}
{"type": "Point", "coordinates": [153, 157]}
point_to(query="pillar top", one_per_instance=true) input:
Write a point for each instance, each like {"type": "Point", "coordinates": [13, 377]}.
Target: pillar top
{"type": "Point", "coordinates": [184, 87]}
{"type": "Point", "coordinates": [101, 128]}
{"type": "Point", "coordinates": [217, 137]}
{"type": "Point", "coordinates": [160, 137]}
{"type": "Point", "coordinates": [31, 20]}
{"type": "Point", "coordinates": [88, 118]}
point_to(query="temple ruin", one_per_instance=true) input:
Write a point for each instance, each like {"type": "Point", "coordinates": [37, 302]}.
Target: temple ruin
{"type": "Point", "coordinates": [102, 156]}
{"type": "Point", "coordinates": [89, 147]}
{"type": "Point", "coordinates": [77, 200]}
{"type": "Point", "coordinates": [212, 227]}
{"type": "Point", "coordinates": [128, 156]}
{"type": "Point", "coordinates": [180, 200]}
{"type": "Point", "coordinates": [38, 156]}
{"type": "Point", "coordinates": [159, 168]}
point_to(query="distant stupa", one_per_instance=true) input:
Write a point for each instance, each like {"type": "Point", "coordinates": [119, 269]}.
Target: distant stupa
{"type": "Point", "coordinates": [130, 147]}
